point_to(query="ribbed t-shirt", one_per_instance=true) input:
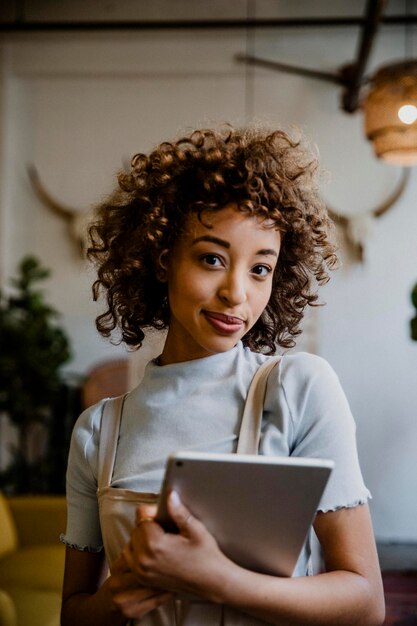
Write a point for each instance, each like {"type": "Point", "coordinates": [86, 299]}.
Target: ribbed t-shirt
{"type": "Point", "coordinates": [198, 405]}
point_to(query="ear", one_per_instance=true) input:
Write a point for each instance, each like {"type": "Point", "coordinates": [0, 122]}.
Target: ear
{"type": "Point", "coordinates": [161, 275]}
{"type": "Point", "coordinates": [161, 269]}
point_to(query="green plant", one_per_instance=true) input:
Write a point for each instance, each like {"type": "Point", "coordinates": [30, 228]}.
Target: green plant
{"type": "Point", "coordinates": [32, 350]}
{"type": "Point", "coordinates": [413, 321]}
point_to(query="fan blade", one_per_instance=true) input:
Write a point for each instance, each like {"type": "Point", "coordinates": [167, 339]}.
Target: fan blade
{"type": "Point", "coordinates": [290, 69]}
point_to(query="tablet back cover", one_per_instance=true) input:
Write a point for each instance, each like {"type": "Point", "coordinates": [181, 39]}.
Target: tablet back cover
{"type": "Point", "coordinates": [258, 508]}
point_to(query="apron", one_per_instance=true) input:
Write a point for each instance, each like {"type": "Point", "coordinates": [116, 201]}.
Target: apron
{"type": "Point", "coordinates": [117, 507]}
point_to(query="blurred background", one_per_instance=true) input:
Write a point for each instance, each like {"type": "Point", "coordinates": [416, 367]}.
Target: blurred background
{"type": "Point", "coordinates": [85, 85]}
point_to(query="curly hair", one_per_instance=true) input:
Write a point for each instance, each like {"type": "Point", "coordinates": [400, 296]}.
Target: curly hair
{"type": "Point", "coordinates": [264, 173]}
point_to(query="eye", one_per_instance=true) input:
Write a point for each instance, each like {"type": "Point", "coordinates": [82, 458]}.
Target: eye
{"type": "Point", "coordinates": [261, 270]}
{"type": "Point", "coordinates": [211, 259]}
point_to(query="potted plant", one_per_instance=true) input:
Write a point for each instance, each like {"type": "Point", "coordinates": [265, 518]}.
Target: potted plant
{"type": "Point", "coordinates": [32, 350]}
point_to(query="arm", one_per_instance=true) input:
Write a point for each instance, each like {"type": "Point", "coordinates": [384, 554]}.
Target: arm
{"type": "Point", "coordinates": [348, 594]}
{"type": "Point", "coordinates": [87, 597]}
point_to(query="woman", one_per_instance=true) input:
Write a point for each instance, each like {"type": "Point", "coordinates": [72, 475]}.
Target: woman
{"type": "Point", "coordinates": [220, 238]}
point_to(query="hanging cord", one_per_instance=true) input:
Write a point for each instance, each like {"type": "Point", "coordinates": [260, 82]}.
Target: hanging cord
{"type": "Point", "coordinates": [249, 69]}
{"type": "Point", "coordinates": [408, 31]}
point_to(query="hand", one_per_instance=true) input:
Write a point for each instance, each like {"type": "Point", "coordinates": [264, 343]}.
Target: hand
{"type": "Point", "coordinates": [132, 600]}
{"type": "Point", "coordinates": [188, 562]}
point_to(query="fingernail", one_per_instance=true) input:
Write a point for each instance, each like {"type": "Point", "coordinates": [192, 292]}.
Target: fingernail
{"type": "Point", "coordinates": [175, 499]}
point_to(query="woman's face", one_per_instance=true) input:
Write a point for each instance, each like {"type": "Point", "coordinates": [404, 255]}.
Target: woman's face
{"type": "Point", "coordinates": [219, 282]}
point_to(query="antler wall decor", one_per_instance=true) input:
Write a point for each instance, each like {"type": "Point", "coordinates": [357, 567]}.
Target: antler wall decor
{"type": "Point", "coordinates": [77, 221]}
{"type": "Point", "coordinates": [356, 228]}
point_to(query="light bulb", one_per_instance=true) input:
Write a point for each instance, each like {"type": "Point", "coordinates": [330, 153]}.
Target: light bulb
{"type": "Point", "coordinates": [408, 113]}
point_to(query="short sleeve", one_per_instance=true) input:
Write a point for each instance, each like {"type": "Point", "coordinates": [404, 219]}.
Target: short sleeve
{"type": "Point", "coordinates": [313, 410]}
{"type": "Point", "coordinates": [83, 524]}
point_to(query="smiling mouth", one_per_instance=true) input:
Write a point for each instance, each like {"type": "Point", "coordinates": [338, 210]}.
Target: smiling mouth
{"type": "Point", "coordinates": [227, 324]}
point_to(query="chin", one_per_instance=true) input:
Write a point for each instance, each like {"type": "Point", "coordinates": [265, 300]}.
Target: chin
{"type": "Point", "coordinates": [222, 345]}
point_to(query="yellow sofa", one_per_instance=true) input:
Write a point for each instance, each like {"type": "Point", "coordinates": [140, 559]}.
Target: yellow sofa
{"type": "Point", "coordinates": [31, 559]}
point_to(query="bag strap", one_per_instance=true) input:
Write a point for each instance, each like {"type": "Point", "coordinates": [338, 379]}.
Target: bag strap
{"type": "Point", "coordinates": [109, 434]}
{"type": "Point", "coordinates": [250, 428]}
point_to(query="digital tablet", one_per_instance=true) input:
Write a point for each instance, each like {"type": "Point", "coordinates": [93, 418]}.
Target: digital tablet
{"type": "Point", "coordinates": [259, 508]}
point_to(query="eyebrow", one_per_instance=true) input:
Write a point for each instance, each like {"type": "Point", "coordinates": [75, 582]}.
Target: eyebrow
{"type": "Point", "coordinates": [226, 244]}
{"type": "Point", "coordinates": [211, 239]}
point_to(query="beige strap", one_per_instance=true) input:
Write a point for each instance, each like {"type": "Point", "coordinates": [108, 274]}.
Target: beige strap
{"type": "Point", "coordinates": [250, 427]}
{"type": "Point", "coordinates": [109, 434]}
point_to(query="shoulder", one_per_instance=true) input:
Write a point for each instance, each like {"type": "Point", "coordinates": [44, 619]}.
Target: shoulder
{"type": "Point", "coordinates": [307, 388]}
{"type": "Point", "coordinates": [89, 421]}
{"type": "Point", "coordinates": [304, 363]}
{"type": "Point", "coordinates": [309, 382]}
{"type": "Point", "coordinates": [302, 368]}
{"type": "Point", "coordinates": [85, 441]}
{"type": "Point", "coordinates": [294, 371]}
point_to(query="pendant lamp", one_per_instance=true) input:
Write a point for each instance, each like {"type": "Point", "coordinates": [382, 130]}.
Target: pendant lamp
{"type": "Point", "coordinates": [390, 110]}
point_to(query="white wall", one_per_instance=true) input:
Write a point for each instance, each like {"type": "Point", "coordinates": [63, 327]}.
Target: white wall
{"type": "Point", "coordinates": [77, 104]}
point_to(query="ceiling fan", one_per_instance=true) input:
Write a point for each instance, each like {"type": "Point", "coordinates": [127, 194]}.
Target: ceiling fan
{"type": "Point", "coordinates": [394, 138]}
{"type": "Point", "coordinates": [351, 77]}
{"type": "Point", "coordinates": [390, 105]}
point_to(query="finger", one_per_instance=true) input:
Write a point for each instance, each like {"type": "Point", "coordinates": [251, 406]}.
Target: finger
{"type": "Point", "coordinates": [183, 518]}
{"type": "Point", "coordinates": [144, 520]}
{"type": "Point", "coordinates": [145, 529]}
{"type": "Point", "coordinates": [136, 605]}
{"type": "Point", "coordinates": [136, 594]}
{"type": "Point", "coordinates": [145, 511]}
{"type": "Point", "coordinates": [138, 562]}
{"type": "Point", "coordinates": [128, 556]}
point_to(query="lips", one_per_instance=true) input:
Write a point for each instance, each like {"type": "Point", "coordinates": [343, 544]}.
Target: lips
{"type": "Point", "coordinates": [227, 324]}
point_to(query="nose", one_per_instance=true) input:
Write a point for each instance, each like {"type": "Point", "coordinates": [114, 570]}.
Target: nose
{"type": "Point", "coordinates": [233, 289]}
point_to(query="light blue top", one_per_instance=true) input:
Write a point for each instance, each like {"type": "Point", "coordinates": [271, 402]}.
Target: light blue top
{"type": "Point", "coordinates": [198, 405]}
